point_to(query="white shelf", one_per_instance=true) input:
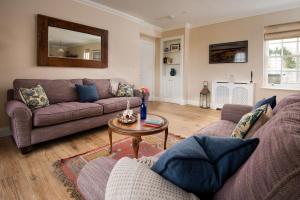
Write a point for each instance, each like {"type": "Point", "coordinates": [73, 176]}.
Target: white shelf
{"type": "Point", "coordinates": [172, 52]}
{"type": "Point", "coordinates": [173, 64]}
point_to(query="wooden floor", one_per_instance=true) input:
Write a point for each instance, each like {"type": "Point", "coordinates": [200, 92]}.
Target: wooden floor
{"type": "Point", "coordinates": [31, 176]}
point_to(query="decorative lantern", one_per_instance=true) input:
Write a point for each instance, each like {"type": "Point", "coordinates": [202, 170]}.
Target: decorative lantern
{"type": "Point", "coordinates": [205, 96]}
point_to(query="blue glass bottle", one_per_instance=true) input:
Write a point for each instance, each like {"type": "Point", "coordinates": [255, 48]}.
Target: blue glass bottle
{"type": "Point", "coordinates": [143, 109]}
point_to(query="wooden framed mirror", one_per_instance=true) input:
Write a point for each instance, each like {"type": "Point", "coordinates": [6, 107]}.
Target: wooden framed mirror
{"type": "Point", "coordinates": [66, 44]}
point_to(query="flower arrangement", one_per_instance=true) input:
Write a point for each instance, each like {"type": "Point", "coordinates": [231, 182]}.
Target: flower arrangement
{"type": "Point", "coordinates": [144, 91]}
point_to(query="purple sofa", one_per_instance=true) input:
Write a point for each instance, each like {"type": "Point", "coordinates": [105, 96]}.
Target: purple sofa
{"type": "Point", "coordinates": [65, 115]}
{"type": "Point", "coordinates": [271, 172]}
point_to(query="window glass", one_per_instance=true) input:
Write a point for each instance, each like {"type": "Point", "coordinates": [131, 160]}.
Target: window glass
{"type": "Point", "coordinates": [283, 62]}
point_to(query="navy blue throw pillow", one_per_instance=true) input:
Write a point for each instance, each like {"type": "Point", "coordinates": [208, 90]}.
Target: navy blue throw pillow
{"type": "Point", "coordinates": [87, 93]}
{"type": "Point", "coordinates": [271, 101]}
{"type": "Point", "coordinates": [202, 164]}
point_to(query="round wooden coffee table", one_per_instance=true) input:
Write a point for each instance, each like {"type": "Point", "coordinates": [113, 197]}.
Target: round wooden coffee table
{"type": "Point", "coordinates": [137, 130]}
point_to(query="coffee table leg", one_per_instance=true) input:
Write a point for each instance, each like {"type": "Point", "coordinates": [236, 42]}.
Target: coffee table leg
{"type": "Point", "coordinates": [166, 137]}
{"type": "Point", "coordinates": [110, 139]}
{"type": "Point", "coordinates": [135, 144]}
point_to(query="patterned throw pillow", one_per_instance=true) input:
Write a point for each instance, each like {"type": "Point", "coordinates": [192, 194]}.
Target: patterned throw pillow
{"type": "Point", "coordinates": [34, 97]}
{"type": "Point", "coordinates": [125, 90]}
{"type": "Point", "coordinates": [247, 121]}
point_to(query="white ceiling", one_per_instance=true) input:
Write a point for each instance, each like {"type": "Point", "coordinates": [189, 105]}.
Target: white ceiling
{"type": "Point", "coordinates": [196, 12]}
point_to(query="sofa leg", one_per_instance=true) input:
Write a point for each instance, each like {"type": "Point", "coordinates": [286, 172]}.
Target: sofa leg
{"type": "Point", "coordinates": [25, 150]}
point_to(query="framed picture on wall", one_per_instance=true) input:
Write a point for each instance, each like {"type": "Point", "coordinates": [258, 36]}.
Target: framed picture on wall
{"type": "Point", "coordinates": [174, 47]}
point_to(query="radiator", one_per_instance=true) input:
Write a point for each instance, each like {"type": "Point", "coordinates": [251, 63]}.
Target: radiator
{"type": "Point", "coordinates": [233, 93]}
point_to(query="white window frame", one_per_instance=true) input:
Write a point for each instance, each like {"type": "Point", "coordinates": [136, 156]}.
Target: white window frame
{"type": "Point", "coordinates": [283, 86]}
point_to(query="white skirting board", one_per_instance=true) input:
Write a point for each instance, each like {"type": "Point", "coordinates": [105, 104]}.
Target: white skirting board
{"type": "Point", "coordinates": [5, 131]}
{"type": "Point", "coordinates": [178, 101]}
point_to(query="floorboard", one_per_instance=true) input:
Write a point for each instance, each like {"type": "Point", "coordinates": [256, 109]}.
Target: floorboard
{"type": "Point", "coordinates": [31, 176]}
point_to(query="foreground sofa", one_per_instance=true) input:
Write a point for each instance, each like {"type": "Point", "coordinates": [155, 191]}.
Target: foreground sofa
{"type": "Point", "coordinates": [271, 172]}
{"type": "Point", "coordinates": [65, 115]}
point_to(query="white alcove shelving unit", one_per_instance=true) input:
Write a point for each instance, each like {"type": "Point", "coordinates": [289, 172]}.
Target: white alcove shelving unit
{"type": "Point", "coordinates": [171, 87]}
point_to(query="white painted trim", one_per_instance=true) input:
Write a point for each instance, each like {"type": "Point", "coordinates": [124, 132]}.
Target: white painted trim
{"type": "Point", "coordinates": [181, 38]}
{"type": "Point", "coordinates": [193, 102]}
{"type": "Point", "coordinates": [5, 131]}
{"type": "Point", "coordinates": [170, 100]}
{"type": "Point", "coordinates": [118, 13]}
{"type": "Point", "coordinates": [152, 43]}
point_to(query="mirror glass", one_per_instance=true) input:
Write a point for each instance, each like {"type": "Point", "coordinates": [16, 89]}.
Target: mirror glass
{"type": "Point", "coordinates": [71, 44]}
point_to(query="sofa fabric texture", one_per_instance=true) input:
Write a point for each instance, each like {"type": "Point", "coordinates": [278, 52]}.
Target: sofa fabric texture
{"type": "Point", "coordinates": [130, 179]}
{"type": "Point", "coordinates": [287, 101]}
{"type": "Point", "coordinates": [102, 85]}
{"type": "Point", "coordinates": [95, 172]}
{"type": "Point", "coordinates": [273, 170]}
{"type": "Point", "coordinates": [218, 128]}
{"type": "Point", "coordinates": [45, 133]}
{"type": "Point", "coordinates": [234, 112]}
{"type": "Point", "coordinates": [207, 159]}
{"type": "Point", "coordinates": [57, 91]}
{"type": "Point", "coordinates": [65, 112]}
{"type": "Point", "coordinates": [118, 103]}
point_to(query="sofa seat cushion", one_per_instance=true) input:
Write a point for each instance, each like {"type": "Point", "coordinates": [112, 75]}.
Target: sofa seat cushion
{"type": "Point", "coordinates": [118, 103]}
{"type": "Point", "coordinates": [219, 128]}
{"type": "Point", "coordinates": [64, 112]}
{"type": "Point", "coordinates": [93, 178]}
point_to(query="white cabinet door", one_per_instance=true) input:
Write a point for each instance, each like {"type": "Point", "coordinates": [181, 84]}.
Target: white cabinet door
{"type": "Point", "coordinates": [147, 65]}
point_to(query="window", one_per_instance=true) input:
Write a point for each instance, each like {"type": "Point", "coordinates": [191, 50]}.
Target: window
{"type": "Point", "coordinates": [86, 54]}
{"type": "Point", "coordinates": [282, 65]}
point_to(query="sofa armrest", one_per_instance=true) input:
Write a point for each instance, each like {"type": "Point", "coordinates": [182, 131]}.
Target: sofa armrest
{"type": "Point", "coordinates": [21, 122]}
{"type": "Point", "coordinates": [137, 93]}
{"type": "Point", "coordinates": [234, 112]}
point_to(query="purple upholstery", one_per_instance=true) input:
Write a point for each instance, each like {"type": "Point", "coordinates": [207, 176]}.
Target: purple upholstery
{"type": "Point", "coordinates": [10, 95]}
{"type": "Point", "coordinates": [102, 85]}
{"type": "Point", "coordinates": [95, 173]}
{"type": "Point", "coordinates": [218, 128]}
{"type": "Point", "coordinates": [41, 134]}
{"type": "Point", "coordinates": [286, 101]}
{"type": "Point", "coordinates": [118, 103]}
{"type": "Point", "coordinates": [65, 115]}
{"type": "Point", "coordinates": [65, 112]}
{"type": "Point", "coordinates": [57, 91]}
{"type": "Point", "coordinates": [21, 122]}
{"type": "Point", "coordinates": [234, 112]}
{"type": "Point", "coordinates": [273, 170]}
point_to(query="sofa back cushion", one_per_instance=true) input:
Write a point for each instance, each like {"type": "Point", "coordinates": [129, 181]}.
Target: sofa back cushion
{"type": "Point", "coordinates": [294, 98]}
{"type": "Point", "coordinates": [102, 85]}
{"type": "Point", "coordinates": [57, 91]}
{"type": "Point", "coordinates": [273, 170]}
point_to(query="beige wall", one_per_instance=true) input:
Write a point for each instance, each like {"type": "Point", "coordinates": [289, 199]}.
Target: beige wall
{"type": "Point", "coordinates": [250, 29]}
{"type": "Point", "coordinates": [18, 43]}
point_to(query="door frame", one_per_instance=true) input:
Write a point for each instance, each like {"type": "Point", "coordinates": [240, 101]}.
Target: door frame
{"type": "Point", "coordinates": [152, 43]}
{"type": "Point", "coordinates": [181, 99]}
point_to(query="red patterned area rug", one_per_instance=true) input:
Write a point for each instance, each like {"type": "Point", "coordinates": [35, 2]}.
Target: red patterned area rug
{"type": "Point", "coordinates": [67, 169]}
